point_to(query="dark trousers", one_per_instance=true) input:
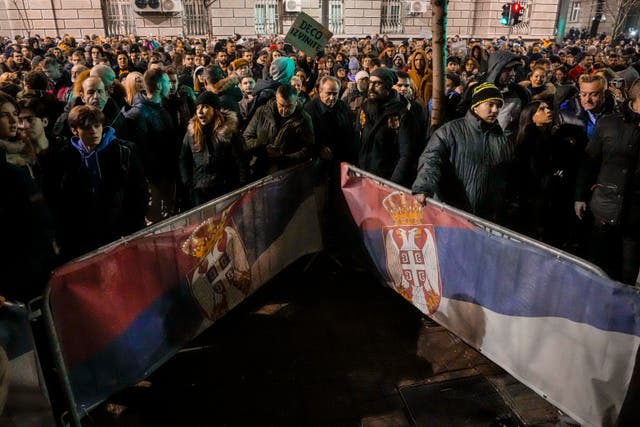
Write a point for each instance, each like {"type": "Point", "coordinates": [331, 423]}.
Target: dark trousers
{"type": "Point", "coordinates": [616, 252]}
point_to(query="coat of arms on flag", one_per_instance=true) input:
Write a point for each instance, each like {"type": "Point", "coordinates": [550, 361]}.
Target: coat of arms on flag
{"type": "Point", "coordinates": [222, 277]}
{"type": "Point", "coordinates": [411, 255]}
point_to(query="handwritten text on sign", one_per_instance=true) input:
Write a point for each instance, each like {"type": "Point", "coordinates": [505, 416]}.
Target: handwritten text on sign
{"type": "Point", "coordinates": [308, 35]}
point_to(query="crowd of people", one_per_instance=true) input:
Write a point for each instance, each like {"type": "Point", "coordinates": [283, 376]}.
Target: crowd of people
{"type": "Point", "coordinates": [102, 137]}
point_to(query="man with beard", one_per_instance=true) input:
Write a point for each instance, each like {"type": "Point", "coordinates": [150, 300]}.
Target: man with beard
{"type": "Point", "coordinates": [388, 132]}
{"type": "Point", "coordinates": [466, 160]}
{"type": "Point", "coordinates": [356, 93]}
{"type": "Point", "coordinates": [222, 60]}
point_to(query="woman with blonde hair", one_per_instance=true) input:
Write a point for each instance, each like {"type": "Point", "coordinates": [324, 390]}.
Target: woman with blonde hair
{"type": "Point", "coordinates": [134, 88]}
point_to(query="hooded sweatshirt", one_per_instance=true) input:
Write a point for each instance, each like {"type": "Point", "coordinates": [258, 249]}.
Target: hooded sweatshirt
{"type": "Point", "coordinates": [424, 80]}
{"type": "Point", "coordinates": [91, 159]}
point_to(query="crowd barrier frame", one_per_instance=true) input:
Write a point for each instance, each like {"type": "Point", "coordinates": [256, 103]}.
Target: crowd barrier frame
{"type": "Point", "coordinates": [73, 415]}
{"type": "Point", "coordinates": [484, 224]}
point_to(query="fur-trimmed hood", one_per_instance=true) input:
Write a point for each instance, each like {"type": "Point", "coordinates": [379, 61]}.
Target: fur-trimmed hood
{"type": "Point", "coordinates": [225, 131]}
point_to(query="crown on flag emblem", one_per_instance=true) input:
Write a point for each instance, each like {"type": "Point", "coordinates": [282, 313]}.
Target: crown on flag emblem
{"type": "Point", "coordinates": [205, 236]}
{"type": "Point", "coordinates": [403, 209]}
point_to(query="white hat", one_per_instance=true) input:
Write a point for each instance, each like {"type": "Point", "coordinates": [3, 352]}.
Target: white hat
{"type": "Point", "coordinates": [362, 75]}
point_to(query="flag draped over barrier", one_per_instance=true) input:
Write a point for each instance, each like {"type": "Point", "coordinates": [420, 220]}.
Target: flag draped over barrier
{"type": "Point", "coordinates": [27, 403]}
{"type": "Point", "coordinates": [563, 330]}
{"type": "Point", "coordinates": [125, 309]}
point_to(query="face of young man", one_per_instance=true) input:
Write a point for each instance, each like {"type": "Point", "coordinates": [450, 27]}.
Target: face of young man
{"type": "Point", "coordinates": [247, 84]}
{"type": "Point", "coordinates": [32, 126]}
{"type": "Point", "coordinates": [221, 57]}
{"type": "Point", "coordinates": [453, 67]}
{"type": "Point", "coordinates": [164, 86]}
{"type": "Point", "coordinates": [403, 87]}
{"type": "Point", "coordinates": [76, 58]}
{"type": "Point", "coordinates": [488, 111]}
{"type": "Point", "coordinates": [90, 135]}
{"type": "Point", "coordinates": [53, 72]}
{"type": "Point", "coordinates": [173, 83]}
{"type": "Point", "coordinates": [286, 107]}
{"type": "Point", "coordinates": [188, 61]}
{"type": "Point", "coordinates": [18, 57]}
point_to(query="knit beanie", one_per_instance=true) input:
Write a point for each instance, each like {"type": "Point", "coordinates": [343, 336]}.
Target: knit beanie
{"type": "Point", "coordinates": [282, 69]}
{"type": "Point", "coordinates": [354, 64]}
{"type": "Point", "coordinates": [208, 98]}
{"type": "Point", "coordinates": [387, 76]}
{"type": "Point", "coordinates": [485, 92]}
{"type": "Point", "coordinates": [362, 75]}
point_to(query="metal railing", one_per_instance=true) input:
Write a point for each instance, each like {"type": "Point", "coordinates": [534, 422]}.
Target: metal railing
{"type": "Point", "coordinates": [391, 17]}
{"type": "Point", "coordinates": [486, 225]}
{"type": "Point", "coordinates": [118, 17]}
{"type": "Point", "coordinates": [195, 18]}
{"type": "Point", "coordinates": [336, 13]}
{"type": "Point", "coordinates": [267, 17]}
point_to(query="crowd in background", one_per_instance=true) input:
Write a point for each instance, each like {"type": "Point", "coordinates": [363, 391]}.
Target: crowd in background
{"type": "Point", "coordinates": [101, 137]}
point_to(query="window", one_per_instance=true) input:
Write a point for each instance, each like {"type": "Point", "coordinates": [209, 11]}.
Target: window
{"type": "Point", "coordinates": [391, 17]}
{"type": "Point", "coordinates": [335, 16]}
{"type": "Point", "coordinates": [574, 11]}
{"type": "Point", "coordinates": [267, 19]}
{"type": "Point", "coordinates": [195, 18]}
{"type": "Point", "coordinates": [118, 17]}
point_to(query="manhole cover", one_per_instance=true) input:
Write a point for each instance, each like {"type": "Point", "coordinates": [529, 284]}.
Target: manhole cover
{"type": "Point", "coordinates": [467, 401]}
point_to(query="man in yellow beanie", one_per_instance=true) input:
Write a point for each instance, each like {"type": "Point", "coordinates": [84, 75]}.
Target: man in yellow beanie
{"type": "Point", "coordinates": [466, 161]}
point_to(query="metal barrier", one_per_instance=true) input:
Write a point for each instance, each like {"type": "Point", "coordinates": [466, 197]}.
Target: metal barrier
{"type": "Point", "coordinates": [27, 402]}
{"type": "Point", "coordinates": [484, 224]}
{"type": "Point", "coordinates": [263, 210]}
{"type": "Point", "coordinates": [219, 208]}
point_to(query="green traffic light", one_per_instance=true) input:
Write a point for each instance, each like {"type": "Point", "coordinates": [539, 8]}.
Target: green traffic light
{"type": "Point", "coordinates": [504, 21]}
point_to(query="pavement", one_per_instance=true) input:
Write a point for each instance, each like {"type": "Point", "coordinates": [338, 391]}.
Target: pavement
{"type": "Point", "coordinates": [325, 345]}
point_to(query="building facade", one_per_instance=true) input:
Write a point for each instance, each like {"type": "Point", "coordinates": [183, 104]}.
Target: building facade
{"type": "Point", "coordinates": [400, 18]}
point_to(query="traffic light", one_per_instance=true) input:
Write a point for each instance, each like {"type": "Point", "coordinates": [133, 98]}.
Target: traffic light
{"type": "Point", "coordinates": [506, 11]}
{"type": "Point", "coordinates": [516, 13]}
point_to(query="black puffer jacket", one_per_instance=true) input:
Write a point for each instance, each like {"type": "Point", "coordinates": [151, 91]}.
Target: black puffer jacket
{"type": "Point", "coordinates": [389, 143]}
{"type": "Point", "coordinates": [292, 137]}
{"type": "Point", "coordinates": [611, 162]}
{"type": "Point", "coordinates": [466, 164]}
{"type": "Point", "coordinates": [220, 166]}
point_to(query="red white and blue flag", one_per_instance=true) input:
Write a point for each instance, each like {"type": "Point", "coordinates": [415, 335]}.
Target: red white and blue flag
{"type": "Point", "coordinates": [568, 333]}
{"type": "Point", "coordinates": [124, 310]}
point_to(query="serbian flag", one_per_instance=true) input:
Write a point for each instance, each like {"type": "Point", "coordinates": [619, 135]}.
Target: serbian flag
{"type": "Point", "coordinates": [122, 311]}
{"type": "Point", "coordinates": [27, 402]}
{"type": "Point", "coordinates": [568, 333]}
